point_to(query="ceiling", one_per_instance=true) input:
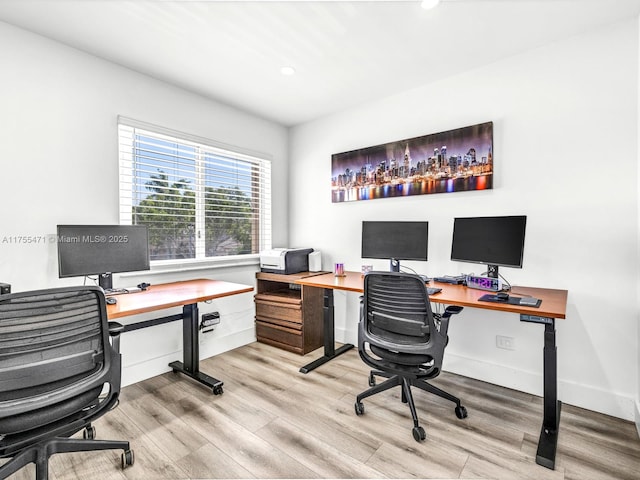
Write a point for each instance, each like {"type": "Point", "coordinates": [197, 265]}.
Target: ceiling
{"type": "Point", "coordinates": [344, 53]}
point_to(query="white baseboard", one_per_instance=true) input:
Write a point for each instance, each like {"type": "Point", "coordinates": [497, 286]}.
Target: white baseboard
{"type": "Point", "coordinates": [638, 417]}
{"type": "Point", "coordinates": [148, 368]}
{"type": "Point", "coordinates": [571, 393]}
{"type": "Point", "coordinates": [584, 396]}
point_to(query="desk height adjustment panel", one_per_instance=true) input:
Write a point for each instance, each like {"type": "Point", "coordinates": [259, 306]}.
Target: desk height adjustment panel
{"type": "Point", "coordinates": [209, 320]}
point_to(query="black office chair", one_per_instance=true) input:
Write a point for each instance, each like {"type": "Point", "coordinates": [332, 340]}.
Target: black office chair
{"type": "Point", "coordinates": [58, 373]}
{"type": "Point", "coordinates": [400, 337]}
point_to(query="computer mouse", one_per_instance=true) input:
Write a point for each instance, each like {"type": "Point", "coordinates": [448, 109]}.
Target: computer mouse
{"type": "Point", "coordinates": [111, 300]}
{"type": "Point", "coordinates": [502, 296]}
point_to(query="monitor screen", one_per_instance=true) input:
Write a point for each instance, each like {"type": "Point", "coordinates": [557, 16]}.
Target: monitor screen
{"type": "Point", "coordinates": [395, 240]}
{"type": "Point", "coordinates": [494, 241]}
{"type": "Point", "coordinates": [100, 249]}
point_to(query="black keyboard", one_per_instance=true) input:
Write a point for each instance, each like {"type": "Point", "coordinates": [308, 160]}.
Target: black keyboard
{"type": "Point", "coordinates": [433, 290]}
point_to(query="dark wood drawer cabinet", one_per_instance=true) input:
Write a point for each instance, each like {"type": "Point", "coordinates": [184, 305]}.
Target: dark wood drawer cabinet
{"type": "Point", "coordinates": [288, 316]}
{"type": "Point", "coordinates": [268, 309]}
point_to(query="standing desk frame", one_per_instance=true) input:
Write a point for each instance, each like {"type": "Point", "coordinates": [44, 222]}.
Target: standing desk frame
{"type": "Point", "coordinates": [184, 294]}
{"type": "Point", "coordinates": [553, 306]}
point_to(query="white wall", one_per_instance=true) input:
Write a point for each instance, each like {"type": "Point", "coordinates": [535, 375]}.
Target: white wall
{"type": "Point", "coordinates": [565, 120]}
{"type": "Point", "coordinates": [638, 266]}
{"type": "Point", "coordinates": [565, 149]}
{"type": "Point", "coordinates": [58, 151]}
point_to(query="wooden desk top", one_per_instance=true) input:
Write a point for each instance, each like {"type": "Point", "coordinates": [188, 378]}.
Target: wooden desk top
{"type": "Point", "coordinates": [176, 294]}
{"type": "Point", "coordinates": [554, 302]}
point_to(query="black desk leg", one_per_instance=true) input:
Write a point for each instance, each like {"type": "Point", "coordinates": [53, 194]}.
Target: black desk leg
{"type": "Point", "coordinates": [329, 335]}
{"type": "Point", "coordinates": [548, 443]}
{"type": "Point", "coordinates": [191, 350]}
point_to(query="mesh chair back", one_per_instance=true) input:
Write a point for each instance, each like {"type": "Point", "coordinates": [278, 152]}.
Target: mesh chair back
{"type": "Point", "coordinates": [397, 324]}
{"type": "Point", "coordinates": [397, 307]}
{"type": "Point", "coordinates": [52, 355]}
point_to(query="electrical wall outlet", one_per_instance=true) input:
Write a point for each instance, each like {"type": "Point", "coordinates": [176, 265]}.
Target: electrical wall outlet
{"type": "Point", "coordinates": [506, 343]}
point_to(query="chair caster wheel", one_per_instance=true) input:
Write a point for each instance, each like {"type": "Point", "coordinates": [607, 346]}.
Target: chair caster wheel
{"type": "Point", "coordinates": [461, 412]}
{"type": "Point", "coordinates": [419, 434]}
{"type": "Point", "coordinates": [89, 432]}
{"type": "Point", "coordinates": [372, 380]}
{"type": "Point", "coordinates": [127, 459]}
{"type": "Point", "coordinates": [359, 408]}
{"type": "Point", "coordinates": [217, 390]}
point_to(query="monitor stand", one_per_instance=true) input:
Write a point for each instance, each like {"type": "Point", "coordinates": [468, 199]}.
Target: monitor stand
{"type": "Point", "coordinates": [394, 265]}
{"type": "Point", "coordinates": [492, 271]}
{"type": "Point", "coordinates": [105, 280]}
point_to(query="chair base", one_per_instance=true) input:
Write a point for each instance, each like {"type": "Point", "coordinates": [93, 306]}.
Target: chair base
{"type": "Point", "coordinates": [406, 383]}
{"type": "Point", "coordinates": [39, 453]}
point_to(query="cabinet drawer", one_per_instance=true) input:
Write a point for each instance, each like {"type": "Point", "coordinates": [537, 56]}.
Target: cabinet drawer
{"type": "Point", "coordinates": [279, 311]}
{"type": "Point", "coordinates": [279, 334]}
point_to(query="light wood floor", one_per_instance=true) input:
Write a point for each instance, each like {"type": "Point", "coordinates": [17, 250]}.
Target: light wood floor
{"type": "Point", "coordinates": [274, 422]}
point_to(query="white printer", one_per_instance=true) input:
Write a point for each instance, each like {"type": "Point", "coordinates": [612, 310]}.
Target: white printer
{"type": "Point", "coordinates": [285, 260]}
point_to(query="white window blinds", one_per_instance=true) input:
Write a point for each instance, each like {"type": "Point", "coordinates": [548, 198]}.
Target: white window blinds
{"type": "Point", "coordinates": [198, 199]}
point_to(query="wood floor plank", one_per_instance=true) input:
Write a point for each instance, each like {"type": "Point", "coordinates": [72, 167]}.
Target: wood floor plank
{"type": "Point", "coordinates": [454, 436]}
{"type": "Point", "coordinates": [583, 457]}
{"type": "Point", "coordinates": [392, 427]}
{"type": "Point", "coordinates": [414, 462]}
{"type": "Point", "coordinates": [606, 431]}
{"type": "Point", "coordinates": [70, 466]}
{"type": "Point", "coordinates": [359, 445]}
{"type": "Point", "coordinates": [520, 467]}
{"type": "Point", "coordinates": [438, 418]}
{"type": "Point", "coordinates": [231, 404]}
{"type": "Point", "coordinates": [303, 412]}
{"type": "Point", "coordinates": [248, 450]}
{"type": "Point", "coordinates": [171, 435]}
{"type": "Point", "coordinates": [26, 473]}
{"type": "Point", "coordinates": [274, 422]}
{"type": "Point", "coordinates": [517, 409]}
{"type": "Point", "coordinates": [321, 456]}
{"type": "Point", "coordinates": [150, 461]}
{"type": "Point", "coordinates": [105, 464]}
{"type": "Point", "coordinates": [210, 462]}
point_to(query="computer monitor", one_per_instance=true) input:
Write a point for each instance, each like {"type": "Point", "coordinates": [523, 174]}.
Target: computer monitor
{"type": "Point", "coordinates": [395, 241]}
{"type": "Point", "coordinates": [494, 241]}
{"type": "Point", "coordinates": [102, 250]}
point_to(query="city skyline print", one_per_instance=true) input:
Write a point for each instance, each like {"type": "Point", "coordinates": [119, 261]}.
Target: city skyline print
{"type": "Point", "coordinates": [446, 162]}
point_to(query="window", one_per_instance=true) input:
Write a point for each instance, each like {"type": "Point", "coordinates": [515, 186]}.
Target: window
{"type": "Point", "coordinates": [200, 200]}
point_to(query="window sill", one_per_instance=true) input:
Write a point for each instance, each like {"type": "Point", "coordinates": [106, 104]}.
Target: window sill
{"type": "Point", "coordinates": [174, 266]}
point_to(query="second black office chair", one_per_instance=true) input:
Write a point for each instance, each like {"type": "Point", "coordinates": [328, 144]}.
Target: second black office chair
{"type": "Point", "coordinates": [400, 337]}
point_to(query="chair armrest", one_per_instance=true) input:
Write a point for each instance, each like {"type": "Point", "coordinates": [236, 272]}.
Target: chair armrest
{"type": "Point", "coordinates": [443, 319]}
{"type": "Point", "coordinates": [115, 329]}
{"type": "Point", "coordinates": [453, 310]}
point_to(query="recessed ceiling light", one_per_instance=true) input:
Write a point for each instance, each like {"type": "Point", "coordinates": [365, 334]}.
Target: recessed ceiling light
{"type": "Point", "coordinates": [287, 71]}
{"type": "Point", "coordinates": [429, 4]}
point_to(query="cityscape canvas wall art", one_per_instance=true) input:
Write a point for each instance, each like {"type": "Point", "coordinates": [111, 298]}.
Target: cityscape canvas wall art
{"type": "Point", "coordinates": [452, 161]}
